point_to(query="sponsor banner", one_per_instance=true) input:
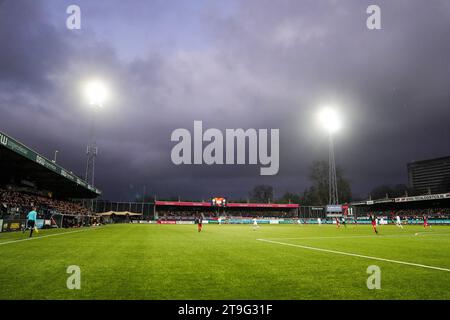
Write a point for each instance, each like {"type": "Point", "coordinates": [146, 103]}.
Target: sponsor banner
{"type": "Point", "coordinates": [47, 222]}
{"type": "Point", "coordinates": [12, 225]}
{"type": "Point", "coordinates": [145, 221]}
{"type": "Point", "coordinates": [167, 222]}
{"type": "Point", "coordinates": [384, 200]}
{"type": "Point", "coordinates": [240, 221]}
{"type": "Point", "coordinates": [286, 221]}
{"type": "Point", "coordinates": [334, 208]}
{"type": "Point", "coordinates": [430, 221]}
{"type": "Point", "coordinates": [263, 205]}
{"type": "Point", "coordinates": [439, 221]}
{"type": "Point", "coordinates": [187, 222]}
{"type": "Point", "coordinates": [334, 215]}
{"type": "Point", "coordinates": [1, 225]}
{"type": "Point", "coordinates": [424, 197]}
{"type": "Point", "coordinates": [274, 221]}
{"type": "Point", "coordinates": [39, 223]}
{"type": "Point", "coordinates": [205, 221]}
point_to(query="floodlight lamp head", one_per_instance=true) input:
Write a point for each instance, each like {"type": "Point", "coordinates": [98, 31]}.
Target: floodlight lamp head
{"type": "Point", "coordinates": [329, 120]}
{"type": "Point", "coordinates": [96, 93]}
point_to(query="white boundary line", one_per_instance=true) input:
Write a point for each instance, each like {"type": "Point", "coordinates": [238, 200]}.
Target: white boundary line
{"type": "Point", "coordinates": [49, 235]}
{"type": "Point", "coordinates": [365, 236]}
{"type": "Point", "coordinates": [355, 255]}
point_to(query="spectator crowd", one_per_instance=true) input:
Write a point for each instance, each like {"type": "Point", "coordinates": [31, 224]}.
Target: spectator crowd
{"type": "Point", "coordinates": [15, 202]}
{"type": "Point", "coordinates": [418, 213]}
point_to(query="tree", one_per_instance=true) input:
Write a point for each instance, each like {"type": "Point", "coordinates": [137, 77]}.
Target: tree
{"type": "Point", "coordinates": [289, 197]}
{"type": "Point", "coordinates": [318, 193]}
{"type": "Point", "coordinates": [239, 200]}
{"type": "Point", "coordinates": [261, 193]}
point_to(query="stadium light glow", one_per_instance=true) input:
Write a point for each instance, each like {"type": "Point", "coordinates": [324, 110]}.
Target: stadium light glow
{"type": "Point", "coordinates": [329, 120]}
{"type": "Point", "coordinates": [96, 93]}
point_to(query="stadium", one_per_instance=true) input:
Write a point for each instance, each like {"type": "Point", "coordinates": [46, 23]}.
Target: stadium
{"type": "Point", "coordinates": [243, 250]}
{"type": "Point", "coordinates": [224, 159]}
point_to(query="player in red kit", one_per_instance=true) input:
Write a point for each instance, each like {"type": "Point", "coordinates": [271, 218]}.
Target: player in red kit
{"type": "Point", "coordinates": [373, 220]}
{"type": "Point", "coordinates": [425, 221]}
{"type": "Point", "coordinates": [198, 221]}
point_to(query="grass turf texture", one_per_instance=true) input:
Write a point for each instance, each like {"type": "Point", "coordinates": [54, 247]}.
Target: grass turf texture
{"type": "Point", "coordinates": [225, 262]}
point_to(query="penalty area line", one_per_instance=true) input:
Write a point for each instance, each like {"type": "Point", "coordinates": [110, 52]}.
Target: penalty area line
{"type": "Point", "coordinates": [46, 236]}
{"type": "Point", "coordinates": [355, 255]}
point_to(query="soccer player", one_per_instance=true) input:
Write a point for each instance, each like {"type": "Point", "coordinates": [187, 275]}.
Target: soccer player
{"type": "Point", "coordinates": [374, 223]}
{"type": "Point", "coordinates": [425, 221]}
{"type": "Point", "coordinates": [319, 221]}
{"type": "Point", "coordinates": [31, 220]}
{"type": "Point", "coordinates": [198, 221]}
{"type": "Point", "coordinates": [398, 223]}
{"type": "Point", "coordinates": [337, 222]}
{"type": "Point", "coordinates": [344, 222]}
{"type": "Point", "coordinates": [255, 224]}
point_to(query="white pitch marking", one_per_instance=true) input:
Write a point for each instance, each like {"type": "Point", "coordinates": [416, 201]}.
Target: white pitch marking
{"type": "Point", "coordinates": [366, 236]}
{"type": "Point", "coordinates": [355, 255]}
{"type": "Point", "coordinates": [49, 235]}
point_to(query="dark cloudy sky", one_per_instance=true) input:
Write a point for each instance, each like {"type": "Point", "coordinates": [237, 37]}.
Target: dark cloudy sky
{"type": "Point", "coordinates": [232, 64]}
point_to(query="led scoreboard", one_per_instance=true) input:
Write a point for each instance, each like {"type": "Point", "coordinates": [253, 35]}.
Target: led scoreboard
{"type": "Point", "coordinates": [219, 202]}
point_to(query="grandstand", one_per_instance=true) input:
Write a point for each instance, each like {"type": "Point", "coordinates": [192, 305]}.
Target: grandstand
{"type": "Point", "coordinates": [412, 209]}
{"type": "Point", "coordinates": [172, 211]}
{"type": "Point", "coordinates": [151, 211]}
{"type": "Point", "coordinates": [29, 179]}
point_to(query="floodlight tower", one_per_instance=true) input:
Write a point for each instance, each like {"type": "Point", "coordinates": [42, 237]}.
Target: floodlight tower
{"type": "Point", "coordinates": [96, 94]}
{"type": "Point", "coordinates": [330, 121]}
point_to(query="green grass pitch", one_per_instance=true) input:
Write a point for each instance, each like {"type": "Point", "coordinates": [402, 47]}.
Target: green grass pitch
{"type": "Point", "coordinates": [137, 261]}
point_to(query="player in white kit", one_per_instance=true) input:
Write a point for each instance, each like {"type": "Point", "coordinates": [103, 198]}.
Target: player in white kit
{"type": "Point", "coordinates": [398, 222]}
{"type": "Point", "coordinates": [255, 224]}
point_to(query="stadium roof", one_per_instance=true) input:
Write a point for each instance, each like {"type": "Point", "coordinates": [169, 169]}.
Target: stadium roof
{"type": "Point", "coordinates": [426, 197]}
{"type": "Point", "coordinates": [20, 163]}
{"type": "Point", "coordinates": [447, 158]}
{"type": "Point", "coordinates": [120, 213]}
{"type": "Point", "coordinates": [229, 205]}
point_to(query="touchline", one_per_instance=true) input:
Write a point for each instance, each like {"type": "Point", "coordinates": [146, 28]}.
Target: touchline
{"type": "Point", "coordinates": [257, 147]}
